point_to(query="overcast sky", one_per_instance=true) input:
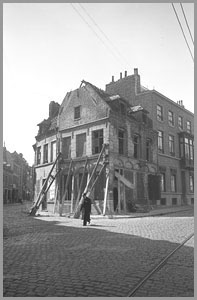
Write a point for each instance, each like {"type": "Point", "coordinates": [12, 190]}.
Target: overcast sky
{"type": "Point", "coordinates": [48, 48]}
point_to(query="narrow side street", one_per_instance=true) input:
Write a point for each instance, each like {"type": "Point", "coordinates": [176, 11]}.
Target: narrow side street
{"type": "Point", "coordinates": [56, 256]}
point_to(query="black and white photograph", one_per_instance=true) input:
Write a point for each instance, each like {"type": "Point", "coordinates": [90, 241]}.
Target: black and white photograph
{"type": "Point", "coordinates": [98, 149]}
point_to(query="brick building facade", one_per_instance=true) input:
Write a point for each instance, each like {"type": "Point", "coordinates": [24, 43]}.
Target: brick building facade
{"type": "Point", "coordinates": [17, 178]}
{"type": "Point", "coordinates": [175, 127]}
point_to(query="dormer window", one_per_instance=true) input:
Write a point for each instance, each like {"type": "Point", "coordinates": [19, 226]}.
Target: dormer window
{"type": "Point", "coordinates": [77, 112]}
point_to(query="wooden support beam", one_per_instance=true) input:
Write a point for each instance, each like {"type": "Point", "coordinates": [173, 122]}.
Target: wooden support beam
{"type": "Point", "coordinates": [106, 194]}
{"type": "Point", "coordinates": [81, 184]}
{"type": "Point", "coordinates": [66, 187]}
{"type": "Point", "coordinates": [124, 180]}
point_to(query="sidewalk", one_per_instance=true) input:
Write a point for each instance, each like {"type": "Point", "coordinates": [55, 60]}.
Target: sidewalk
{"type": "Point", "coordinates": [153, 212]}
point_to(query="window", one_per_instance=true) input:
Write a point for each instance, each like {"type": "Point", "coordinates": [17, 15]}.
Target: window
{"type": "Point", "coordinates": [180, 122]}
{"type": "Point", "coordinates": [188, 126]}
{"type": "Point", "coordinates": [38, 155]}
{"type": "Point", "coordinates": [97, 141]}
{"type": "Point", "coordinates": [81, 145]}
{"type": "Point", "coordinates": [53, 151]}
{"type": "Point", "coordinates": [171, 118]}
{"type": "Point", "coordinates": [66, 147]}
{"type": "Point", "coordinates": [163, 182]}
{"type": "Point", "coordinates": [148, 149]}
{"type": "Point", "coordinates": [187, 148]}
{"type": "Point", "coordinates": [173, 182]}
{"type": "Point", "coordinates": [171, 145]}
{"type": "Point", "coordinates": [191, 149]}
{"type": "Point", "coordinates": [45, 154]}
{"type": "Point", "coordinates": [160, 141]}
{"type": "Point", "coordinates": [136, 141]}
{"type": "Point", "coordinates": [77, 112]}
{"type": "Point", "coordinates": [121, 140]}
{"type": "Point", "coordinates": [159, 113]}
{"type": "Point", "coordinates": [191, 183]}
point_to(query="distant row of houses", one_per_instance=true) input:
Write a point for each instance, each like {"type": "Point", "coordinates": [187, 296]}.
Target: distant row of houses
{"type": "Point", "coordinates": [149, 158]}
{"type": "Point", "coordinates": [17, 178]}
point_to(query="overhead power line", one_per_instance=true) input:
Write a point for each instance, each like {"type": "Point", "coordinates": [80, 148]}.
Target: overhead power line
{"type": "Point", "coordinates": [182, 31]}
{"type": "Point", "coordinates": [103, 33]}
{"type": "Point", "coordinates": [187, 23]}
{"type": "Point", "coordinates": [103, 42]}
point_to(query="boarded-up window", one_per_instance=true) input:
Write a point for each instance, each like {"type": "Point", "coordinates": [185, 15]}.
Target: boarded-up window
{"type": "Point", "coordinates": [97, 141]}
{"type": "Point", "coordinates": [66, 147]}
{"type": "Point", "coordinates": [81, 145]}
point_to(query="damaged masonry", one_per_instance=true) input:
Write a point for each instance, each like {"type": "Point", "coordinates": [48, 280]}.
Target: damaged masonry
{"type": "Point", "coordinates": [98, 142]}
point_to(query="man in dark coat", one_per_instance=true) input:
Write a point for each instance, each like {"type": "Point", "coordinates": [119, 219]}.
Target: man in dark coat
{"type": "Point", "coordinates": [86, 209]}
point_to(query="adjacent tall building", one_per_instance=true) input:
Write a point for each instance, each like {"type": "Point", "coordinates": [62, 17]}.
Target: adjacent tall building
{"type": "Point", "coordinates": [17, 178]}
{"type": "Point", "coordinates": [148, 159]}
{"type": "Point", "coordinates": [175, 128]}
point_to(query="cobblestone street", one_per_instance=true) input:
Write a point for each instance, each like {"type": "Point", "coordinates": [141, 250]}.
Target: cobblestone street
{"type": "Point", "coordinates": [57, 256]}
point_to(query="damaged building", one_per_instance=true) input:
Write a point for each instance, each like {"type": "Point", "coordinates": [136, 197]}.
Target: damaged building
{"type": "Point", "coordinates": [104, 142]}
{"type": "Point", "coordinates": [87, 119]}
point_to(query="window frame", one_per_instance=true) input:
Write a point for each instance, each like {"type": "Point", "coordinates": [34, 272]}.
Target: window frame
{"type": "Point", "coordinates": [160, 141]}
{"type": "Point", "coordinates": [38, 155]}
{"type": "Point", "coordinates": [163, 182]}
{"type": "Point", "coordinates": [171, 144]}
{"type": "Point", "coordinates": [97, 140]}
{"type": "Point", "coordinates": [173, 186]}
{"type": "Point", "coordinates": [77, 112]}
{"type": "Point", "coordinates": [53, 150]}
{"type": "Point", "coordinates": [171, 118]}
{"type": "Point", "coordinates": [180, 122]}
{"type": "Point", "coordinates": [191, 183]}
{"type": "Point", "coordinates": [188, 128]}
{"type": "Point", "coordinates": [159, 112]}
{"type": "Point", "coordinates": [45, 153]}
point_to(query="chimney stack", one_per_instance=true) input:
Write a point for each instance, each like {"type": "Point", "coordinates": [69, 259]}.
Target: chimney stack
{"type": "Point", "coordinates": [135, 71]}
{"type": "Point", "coordinates": [120, 75]}
{"type": "Point", "coordinates": [125, 74]}
{"type": "Point", "coordinates": [112, 78]}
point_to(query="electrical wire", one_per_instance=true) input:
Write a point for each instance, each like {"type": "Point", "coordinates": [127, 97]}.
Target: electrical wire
{"type": "Point", "coordinates": [182, 31]}
{"type": "Point", "coordinates": [103, 33]}
{"type": "Point", "coordinates": [187, 23]}
{"type": "Point", "coordinates": [95, 32]}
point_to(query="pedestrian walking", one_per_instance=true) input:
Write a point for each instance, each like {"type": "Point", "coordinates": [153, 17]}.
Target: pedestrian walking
{"type": "Point", "coordinates": [86, 209]}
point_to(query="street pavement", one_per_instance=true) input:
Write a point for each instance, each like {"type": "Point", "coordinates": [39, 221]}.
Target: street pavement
{"type": "Point", "coordinates": [52, 256]}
